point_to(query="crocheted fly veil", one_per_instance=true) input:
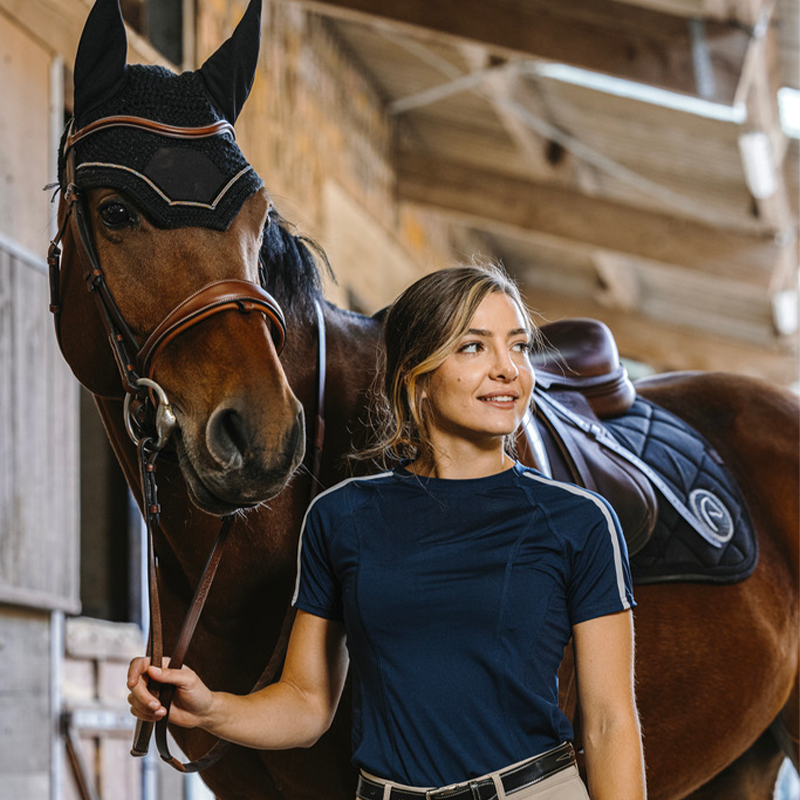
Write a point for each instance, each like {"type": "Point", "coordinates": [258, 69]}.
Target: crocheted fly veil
{"type": "Point", "coordinates": [178, 182]}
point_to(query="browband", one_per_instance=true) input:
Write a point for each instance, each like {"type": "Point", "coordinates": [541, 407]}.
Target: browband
{"type": "Point", "coordinates": [175, 131]}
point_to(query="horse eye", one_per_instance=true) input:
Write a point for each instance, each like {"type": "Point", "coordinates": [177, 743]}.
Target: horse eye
{"type": "Point", "coordinates": [116, 215]}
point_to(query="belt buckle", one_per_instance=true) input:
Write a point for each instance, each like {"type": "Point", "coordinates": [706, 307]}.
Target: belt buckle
{"type": "Point", "coordinates": [432, 794]}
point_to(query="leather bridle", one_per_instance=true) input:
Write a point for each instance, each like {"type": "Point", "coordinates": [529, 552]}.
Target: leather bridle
{"type": "Point", "coordinates": [148, 415]}
{"type": "Point", "coordinates": [136, 361]}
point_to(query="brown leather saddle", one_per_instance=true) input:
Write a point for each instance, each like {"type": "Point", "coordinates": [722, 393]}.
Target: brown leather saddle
{"type": "Point", "coordinates": [580, 382]}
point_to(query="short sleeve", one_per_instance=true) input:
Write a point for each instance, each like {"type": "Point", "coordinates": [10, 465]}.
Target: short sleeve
{"type": "Point", "coordinates": [317, 591]}
{"type": "Point", "coordinates": [600, 580]}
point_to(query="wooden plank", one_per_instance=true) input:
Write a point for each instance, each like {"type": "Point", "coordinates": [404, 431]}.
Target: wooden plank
{"type": "Point", "coordinates": [25, 133]}
{"type": "Point", "coordinates": [638, 44]}
{"type": "Point", "coordinates": [24, 701]}
{"type": "Point", "coordinates": [486, 200]}
{"type": "Point", "coordinates": [745, 12]}
{"type": "Point", "coordinates": [56, 26]}
{"type": "Point", "coordinates": [39, 538]}
{"type": "Point", "coordinates": [670, 347]}
{"type": "Point", "coordinates": [98, 639]}
{"type": "Point", "coordinates": [8, 543]}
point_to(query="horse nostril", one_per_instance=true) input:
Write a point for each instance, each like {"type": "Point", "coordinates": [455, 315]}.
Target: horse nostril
{"type": "Point", "coordinates": [227, 437]}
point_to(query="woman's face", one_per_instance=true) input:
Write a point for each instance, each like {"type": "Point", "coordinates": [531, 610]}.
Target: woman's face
{"type": "Point", "coordinates": [481, 391]}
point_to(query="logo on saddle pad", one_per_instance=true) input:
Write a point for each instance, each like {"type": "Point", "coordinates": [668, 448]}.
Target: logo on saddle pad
{"type": "Point", "coordinates": [713, 513]}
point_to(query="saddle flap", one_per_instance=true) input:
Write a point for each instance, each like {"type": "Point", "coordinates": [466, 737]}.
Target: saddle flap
{"type": "Point", "coordinates": [579, 457]}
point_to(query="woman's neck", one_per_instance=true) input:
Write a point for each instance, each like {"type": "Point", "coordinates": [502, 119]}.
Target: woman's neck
{"type": "Point", "coordinates": [460, 466]}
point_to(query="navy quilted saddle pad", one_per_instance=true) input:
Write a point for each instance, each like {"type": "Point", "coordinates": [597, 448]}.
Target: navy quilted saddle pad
{"type": "Point", "coordinates": [694, 471]}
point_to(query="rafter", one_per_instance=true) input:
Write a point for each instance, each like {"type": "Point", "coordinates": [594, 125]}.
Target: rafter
{"type": "Point", "coordinates": [488, 200]}
{"type": "Point", "coordinates": [672, 347]}
{"type": "Point", "coordinates": [744, 11]}
{"type": "Point", "coordinates": [639, 44]}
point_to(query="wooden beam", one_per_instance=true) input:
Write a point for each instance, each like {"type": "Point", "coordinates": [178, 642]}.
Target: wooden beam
{"type": "Point", "coordinates": [667, 347]}
{"type": "Point", "coordinates": [608, 36]}
{"type": "Point", "coordinates": [489, 201]}
{"type": "Point", "coordinates": [758, 90]}
{"type": "Point", "coordinates": [540, 158]}
{"type": "Point", "coordinates": [745, 12]}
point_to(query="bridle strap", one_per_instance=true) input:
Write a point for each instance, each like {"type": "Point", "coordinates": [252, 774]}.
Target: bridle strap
{"type": "Point", "coordinates": [124, 121]}
{"type": "Point", "coordinates": [167, 692]}
{"type": "Point", "coordinates": [120, 336]}
{"type": "Point", "coordinates": [213, 298]}
{"type": "Point", "coordinates": [319, 428]}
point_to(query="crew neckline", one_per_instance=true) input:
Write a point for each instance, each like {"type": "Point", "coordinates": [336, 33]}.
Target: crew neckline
{"type": "Point", "coordinates": [458, 483]}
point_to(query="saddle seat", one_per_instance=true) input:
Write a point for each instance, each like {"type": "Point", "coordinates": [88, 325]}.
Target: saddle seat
{"type": "Point", "coordinates": [579, 382]}
{"type": "Point", "coordinates": [582, 356]}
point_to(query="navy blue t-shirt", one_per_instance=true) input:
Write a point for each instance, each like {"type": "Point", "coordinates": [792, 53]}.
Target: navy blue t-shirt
{"type": "Point", "coordinates": [458, 597]}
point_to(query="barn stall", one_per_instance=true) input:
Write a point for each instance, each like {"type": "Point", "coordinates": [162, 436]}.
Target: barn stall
{"type": "Point", "coordinates": [635, 162]}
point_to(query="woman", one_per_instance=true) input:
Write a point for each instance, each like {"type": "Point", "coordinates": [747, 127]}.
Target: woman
{"type": "Point", "coordinates": [452, 584]}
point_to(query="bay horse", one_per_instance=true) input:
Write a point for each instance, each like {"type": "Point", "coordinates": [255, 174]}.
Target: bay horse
{"type": "Point", "coordinates": [157, 206]}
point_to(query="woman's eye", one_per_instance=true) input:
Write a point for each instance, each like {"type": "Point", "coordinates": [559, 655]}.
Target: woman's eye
{"type": "Point", "coordinates": [116, 215]}
{"type": "Point", "coordinates": [522, 347]}
{"type": "Point", "coordinates": [470, 347]}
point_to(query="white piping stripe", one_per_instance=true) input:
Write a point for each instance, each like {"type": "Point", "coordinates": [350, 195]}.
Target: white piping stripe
{"type": "Point", "coordinates": [161, 194]}
{"type": "Point", "coordinates": [305, 517]}
{"type": "Point", "coordinates": [620, 573]}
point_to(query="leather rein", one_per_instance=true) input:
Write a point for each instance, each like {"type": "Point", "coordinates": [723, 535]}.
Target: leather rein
{"type": "Point", "coordinates": [149, 419]}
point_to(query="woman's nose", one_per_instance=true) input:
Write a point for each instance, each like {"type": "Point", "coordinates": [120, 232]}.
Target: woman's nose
{"type": "Point", "coordinates": [504, 367]}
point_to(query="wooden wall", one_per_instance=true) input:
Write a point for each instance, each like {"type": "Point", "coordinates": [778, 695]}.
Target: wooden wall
{"type": "Point", "coordinates": [315, 130]}
{"type": "Point", "coordinates": [38, 432]}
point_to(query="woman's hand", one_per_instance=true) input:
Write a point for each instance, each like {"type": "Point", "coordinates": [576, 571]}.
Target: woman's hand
{"type": "Point", "coordinates": [192, 701]}
{"type": "Point", "coordinates": [294, 712]}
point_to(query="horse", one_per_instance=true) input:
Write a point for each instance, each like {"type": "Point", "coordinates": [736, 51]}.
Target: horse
{"type": "Point", "coordinates": [212, 296]}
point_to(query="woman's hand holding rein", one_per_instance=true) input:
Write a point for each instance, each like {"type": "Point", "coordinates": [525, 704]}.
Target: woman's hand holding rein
{"type": "Point", "coordinates": [293, 712]}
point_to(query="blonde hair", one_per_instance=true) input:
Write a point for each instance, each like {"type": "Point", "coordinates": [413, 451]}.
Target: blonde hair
{"type": "Point", "coordinates": [421, 329]}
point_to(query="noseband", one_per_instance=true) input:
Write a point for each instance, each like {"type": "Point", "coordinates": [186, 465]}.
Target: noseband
{"type": "Point", "coordinates": [136, 361]}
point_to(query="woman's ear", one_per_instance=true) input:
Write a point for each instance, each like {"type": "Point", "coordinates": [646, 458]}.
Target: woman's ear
{"type": "Point", "coordinates": [419, 387]}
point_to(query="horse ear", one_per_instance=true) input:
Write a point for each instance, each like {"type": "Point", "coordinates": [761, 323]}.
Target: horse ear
{"type": "Point", "coordinates": [102, 52]}
{"type": "Point", "coordinates": [228, 74]}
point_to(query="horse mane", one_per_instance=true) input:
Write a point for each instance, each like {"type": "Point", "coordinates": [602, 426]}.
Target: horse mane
{"type": "Point", "coordinates": [291, 271]}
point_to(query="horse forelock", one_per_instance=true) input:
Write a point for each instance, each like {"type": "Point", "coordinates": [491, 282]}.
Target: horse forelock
{"type": "Point", "coordinates": [177, 182]}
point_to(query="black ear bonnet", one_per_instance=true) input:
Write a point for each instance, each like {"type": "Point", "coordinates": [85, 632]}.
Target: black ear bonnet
{"type": "Point", "coordinates": [199, 182]}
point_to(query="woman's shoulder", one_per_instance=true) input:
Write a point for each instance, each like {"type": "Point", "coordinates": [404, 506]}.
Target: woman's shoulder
{"type": "Point", "coordinates": [547, 491]}
{"type": "Point", "coordinates": [343, 496]}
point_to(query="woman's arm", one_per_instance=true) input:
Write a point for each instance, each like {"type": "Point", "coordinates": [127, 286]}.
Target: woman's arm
{"type": "Point", "coordinates": [610, 723]}
{"type": "Point", "coordinates": [294, 712]}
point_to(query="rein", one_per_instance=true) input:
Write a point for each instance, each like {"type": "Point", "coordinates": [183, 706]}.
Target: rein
{"type": "Point", "coordinates": [147, 409]}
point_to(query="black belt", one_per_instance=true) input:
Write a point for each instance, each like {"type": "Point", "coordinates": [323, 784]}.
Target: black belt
{"type": "Point", "coordinates": [514, 779]}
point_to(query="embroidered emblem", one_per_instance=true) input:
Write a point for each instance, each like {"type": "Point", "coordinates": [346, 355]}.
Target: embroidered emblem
{"type": "Point", "coordinates": [713, 513]}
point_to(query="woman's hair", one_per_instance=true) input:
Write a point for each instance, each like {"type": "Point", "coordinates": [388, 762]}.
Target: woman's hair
{"type": "Point", "coordinates": [421, 329]}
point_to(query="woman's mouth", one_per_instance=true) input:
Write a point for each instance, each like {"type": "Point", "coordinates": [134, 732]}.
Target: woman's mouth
{"type": "Point", "coordinates": [500, 400]}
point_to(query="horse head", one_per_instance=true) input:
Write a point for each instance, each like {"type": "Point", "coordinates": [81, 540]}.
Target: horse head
{"type": "Point", "coordinates": [170, 229]}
